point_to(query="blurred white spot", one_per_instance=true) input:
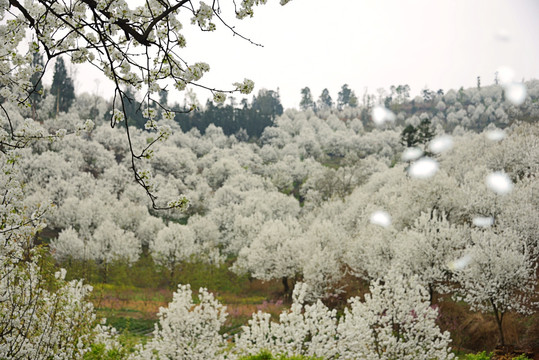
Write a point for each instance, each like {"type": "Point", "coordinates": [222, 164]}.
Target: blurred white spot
{"type": "Point", "coordinates": [381, 115]}
{"type": "Point", "coordinates": [515, 93]}
{"type": "Point", "coordinates": [482, 221]}
{"type": "Point", "coordinates": [506, 75]}
{"type": "Point", "coordinates": [499, 182]}
{"type": "Point", "coordinates": [423, 168]}
{"type": "Point", "coordinates": [461, 263]}
{"type": "Point", "coordinates": [502, 35]}
{"type": "Point", "coordinates": [496, 135]}
{"type": "Point", "coordinates": [411, 154]}
{"type": "Point", "coordinates": [441, 144]}
{"type": "Point", "coordinates": [381, 218]}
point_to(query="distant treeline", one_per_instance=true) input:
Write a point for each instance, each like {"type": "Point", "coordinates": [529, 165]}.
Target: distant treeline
{"type": "Point", "coordinates": [472, 109]}
{"type": "Point", "coordinates": [247, 121]}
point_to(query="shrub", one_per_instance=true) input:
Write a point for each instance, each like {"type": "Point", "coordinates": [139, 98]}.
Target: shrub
{"type": "Point", "coordinates": [479, 356]}
{"type": "Point", "coordinates": [521, 357]}
{"type": "Point", "coordinates": [100, 352]}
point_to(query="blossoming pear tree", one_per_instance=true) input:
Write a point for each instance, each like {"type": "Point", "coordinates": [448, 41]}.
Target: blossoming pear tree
{"type": "Point", "coordinates": [395, 321]}
{"type": "Point", "coordinates": [40, 318]}
{"type": "Point", "coordinates": [302, 330]}
{"type": "Point", "coordinates": [187, 331]}
{"type": "Point", "coordinates": [274, 253]}
{"type": "Point", "coordinates": [427, 247]}
{"type": "Point", "coordinates": [172, 244]}
{"type": "Point", "coordinates": [500, 275]}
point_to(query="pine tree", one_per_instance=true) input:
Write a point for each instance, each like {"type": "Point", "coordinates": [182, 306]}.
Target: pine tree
{"type": "Point", "coordinates": [62, 87]}
{"type": "Point", "coordinates": [353, 101]}
{"type": "Point", "coordinates": [307, 101]}
{"type": "Point", "coordinates": [345, 95]}
{"type": "Point", "coordinates": [415, 135]}
{"type": "Point", "coordinates": [325, 101]}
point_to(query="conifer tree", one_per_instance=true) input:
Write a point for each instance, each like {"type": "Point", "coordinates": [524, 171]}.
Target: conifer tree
{"type": "Point", "coordinates": [62, 87]}
{"type": "Point", "coordinates": [325, 101]}
{"type": "Point", "coordinates": [345, 95]}
{"type": "Point", "coordinates": [306, 99]}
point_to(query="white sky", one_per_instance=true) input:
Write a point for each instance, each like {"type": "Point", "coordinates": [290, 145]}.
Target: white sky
{"type": "Point", "coordinates": [366, 44]}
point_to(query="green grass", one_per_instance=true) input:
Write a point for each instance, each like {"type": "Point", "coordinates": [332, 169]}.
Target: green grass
{"type": "Point", "coordinates": [479, 356]}
{"type": "Point", "coordinates": [133, 326]}
{"type": "Point", "coordinates": [99, 352]}
{"type": "Point", "coordinates": [128, 343]}
{"type": "Point", "coordinates": [131, 298]}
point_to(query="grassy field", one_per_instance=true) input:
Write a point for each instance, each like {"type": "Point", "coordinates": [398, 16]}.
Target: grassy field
{"type": "Point", "coordinates": [134, 310]}
{"type": "Point", "coordinates": [131, 296]}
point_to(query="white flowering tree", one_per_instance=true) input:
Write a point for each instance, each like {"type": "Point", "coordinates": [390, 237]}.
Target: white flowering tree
{"type": "Point", "coordinates": [172, 244]}
{"type": "Point", "coordinates": [39, 324]}
{"type": "Point", "coordinates": [500, 275]}
{"type": "Point", "coordinates": [111, 244]}
{"type": "Point", "coordinates": [395, 321]}
{"type": "Point", "coordinates": [324, 245]}
{"type": "Point", "coordinates": [206, 235]}
{"type": "Point", "coordinates": [40, 318]}
{"type": "Point", "coordinates": [428, 247]}
{"type": "Point", "coordinates": [303, 330]}
{"type": "Point", "coordinates": [274, 253]}
{"type": "Point", "coordinates": [69, 245]}
{"type": "Point", "coordinates": [147, 230]}
{"type": "Point", "coordinates": [187, 331]}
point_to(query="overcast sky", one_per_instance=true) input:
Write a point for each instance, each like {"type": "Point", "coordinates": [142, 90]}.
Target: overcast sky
{"type": "Point", "coordinates": [365, 44]}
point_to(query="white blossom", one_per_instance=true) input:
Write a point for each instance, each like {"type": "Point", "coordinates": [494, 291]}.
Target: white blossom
{"type": "Point", "coordinates": [303, 330]}
{"type": "Point", "coordinates": [246, 87]}
{"type": "Point", "coordinates": [219, 97]}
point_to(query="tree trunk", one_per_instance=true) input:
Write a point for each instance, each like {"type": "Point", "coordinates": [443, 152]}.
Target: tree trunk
{"type": "Point", "coordinates": [58, 101]}
{"type": "Point", "coordinates": [172, 275]}
{"type": "Point", "coordinates": [286, 286]}
{"type": "Point", "coordinates": [431, 293]}
{"type": "Point", "coordinates": [499, 320]}
{"type": "Point", "coordinates": [106, 272]}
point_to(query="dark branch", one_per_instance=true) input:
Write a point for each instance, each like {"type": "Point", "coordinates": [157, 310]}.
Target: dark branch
{"type": "Point", "coordinates": [25, 13]}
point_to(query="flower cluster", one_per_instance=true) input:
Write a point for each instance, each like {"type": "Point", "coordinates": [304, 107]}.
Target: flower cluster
{"type": "Point", "coordinates": [246, 87]}
{"type": "Point", "coordinates": [219, 97]}
{"type": "Point", "coordinates": [203, 17]}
